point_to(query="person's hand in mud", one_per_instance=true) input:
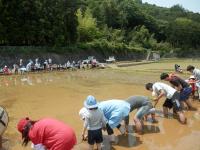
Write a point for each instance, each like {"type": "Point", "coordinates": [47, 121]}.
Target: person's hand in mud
{"type": "Point", "coordinates": [84, 137]}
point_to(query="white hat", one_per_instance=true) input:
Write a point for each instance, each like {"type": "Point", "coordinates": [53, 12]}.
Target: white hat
{"type": "Point", "coordinates": [90, 102]}
{"type": "Point", "coordinates": [192, 77]}
{"type": "Point", "coordinates": [83, 113]}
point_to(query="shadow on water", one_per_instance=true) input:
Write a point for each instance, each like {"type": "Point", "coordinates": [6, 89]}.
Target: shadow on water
{"type": "Point", "coordinates": [128, 140]}
{"type": "Point", "coordinates": [149, 129]}
{"type": "Point", "coordinates": [159, 113]}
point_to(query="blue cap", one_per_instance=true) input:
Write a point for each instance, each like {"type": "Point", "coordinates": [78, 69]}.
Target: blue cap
{"type": "Point", "coordinates": [90, 102]}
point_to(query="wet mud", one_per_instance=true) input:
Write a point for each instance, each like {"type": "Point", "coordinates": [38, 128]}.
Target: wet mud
{"type": "Point", "coordinates": [61, 94]}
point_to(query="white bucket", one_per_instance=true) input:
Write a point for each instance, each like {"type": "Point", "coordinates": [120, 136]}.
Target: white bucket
{"type": "Point", "coordinates": [4, 119]}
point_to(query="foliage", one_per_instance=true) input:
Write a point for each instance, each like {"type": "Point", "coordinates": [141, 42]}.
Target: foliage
{"type": "Point", "coordinates": [87, 26]}
{"type": "Point", "coordinates": [103, 25]}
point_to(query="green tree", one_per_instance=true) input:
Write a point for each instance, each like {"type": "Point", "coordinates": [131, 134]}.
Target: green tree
{"type": "Point", "coordinates": [87, 26]}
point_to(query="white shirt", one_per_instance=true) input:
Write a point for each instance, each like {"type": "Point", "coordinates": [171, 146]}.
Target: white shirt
{"type": "Point", "coordinates": [196, 73]}
{"type": "Point", "coordinates": [95, 120]}
{"type": "Point", "coordinates": [168, 90]}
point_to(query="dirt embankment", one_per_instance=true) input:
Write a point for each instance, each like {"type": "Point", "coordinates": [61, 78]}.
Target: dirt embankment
{"type": "Point", "coordinates": [10, 59]}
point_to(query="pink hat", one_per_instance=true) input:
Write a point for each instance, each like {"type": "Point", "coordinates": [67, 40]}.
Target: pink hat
{"type": "Point", "coordinates": [21, 124]}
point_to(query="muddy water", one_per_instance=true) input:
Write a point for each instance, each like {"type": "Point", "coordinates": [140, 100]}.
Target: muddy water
{"type": "Point", "coordinates": [61, 95]}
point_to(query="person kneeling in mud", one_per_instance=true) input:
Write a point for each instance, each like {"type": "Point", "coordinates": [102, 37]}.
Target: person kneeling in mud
{"type": "Point", "coordinates": [47, 134]}
{"type": "Point", "coordinates": [93, 121]}
{"type": "Point", "coordinates": [160, 90]}
{"type": "Point", "coordinates": [144, 106]}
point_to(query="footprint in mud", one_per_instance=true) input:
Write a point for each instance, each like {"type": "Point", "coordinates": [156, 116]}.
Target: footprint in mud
{"type": "Point", "coordinates": [196, 116]}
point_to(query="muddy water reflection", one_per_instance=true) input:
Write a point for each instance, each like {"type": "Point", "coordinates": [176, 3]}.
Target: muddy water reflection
{"type": "Point", "coordinates": [61, 95]}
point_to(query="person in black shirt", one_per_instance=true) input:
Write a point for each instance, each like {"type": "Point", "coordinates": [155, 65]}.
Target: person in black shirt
{"type": "Point", "coordinates": [182, 86]}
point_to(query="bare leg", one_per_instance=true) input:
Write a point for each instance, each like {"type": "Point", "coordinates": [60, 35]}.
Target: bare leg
{"type": "Point", "coordinates": [183, 105]}
{"type": "Point", "coordinates": [165, 111]}
{"type": "Point", "coordinates": [98, 146]}
{"type": "Point", "coordinates": [138, 125]}
{"type": "Point", "coordinates": [189, 104]}
{"type": "Point", "coordinates": [182, 118]}
{"type": "Point", "coordinates": [91, 147]}
{"type": "Point", "coordinates": [153, 116]}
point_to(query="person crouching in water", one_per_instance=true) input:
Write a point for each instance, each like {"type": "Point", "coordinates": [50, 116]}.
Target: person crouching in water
{"type": "Point", "coordinates": [144, 106]}
{"type": "Point", "coordinates": [47, 134]}
{"type": "Point", "coordinates": [182, 86]}
{"type": "Point", "coordinates": [160, 90]}
{"type": "Point", "coordinates": [93, 122]}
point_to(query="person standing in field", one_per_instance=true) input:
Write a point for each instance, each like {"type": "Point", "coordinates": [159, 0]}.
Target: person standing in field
{"type": "Point", "coordinates": [196, 73]}
{"type": "Point", "coordinates": [47, 134]}
{"type": "Point", "coordinates": [192, 83]}
{"type": "Point", "coordinates": [93, 122]}
{"type": "Point", "coordinates": [160, 90]}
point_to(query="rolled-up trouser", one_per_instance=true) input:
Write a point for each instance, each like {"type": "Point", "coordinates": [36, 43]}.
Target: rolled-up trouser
{"type": "Point", "coordinates": [144, 110]}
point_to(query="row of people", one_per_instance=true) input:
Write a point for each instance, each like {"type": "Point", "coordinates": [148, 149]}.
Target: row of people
{"type": "Point", "coordinates": [48, 65]}
{"type": "Point", "coordinates": [114, 111]}
{"type": "Point", "coordinates": [51, 134]}
{"type": "Point", "coordinates": [107, 115]}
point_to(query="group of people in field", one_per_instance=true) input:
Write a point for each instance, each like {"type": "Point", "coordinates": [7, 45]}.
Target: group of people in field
{"type": "Point", "coordinates": [51, 134]}
{"type": "Point", "coordinates": [47, 65]}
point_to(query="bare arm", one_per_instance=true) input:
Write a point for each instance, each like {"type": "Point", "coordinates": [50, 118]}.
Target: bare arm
{"type": "Point", "coordinates": [162, 93]}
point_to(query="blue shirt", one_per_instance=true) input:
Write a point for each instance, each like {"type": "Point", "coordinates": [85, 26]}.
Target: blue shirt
{"type": "Point", "coordinates": [114, 111]}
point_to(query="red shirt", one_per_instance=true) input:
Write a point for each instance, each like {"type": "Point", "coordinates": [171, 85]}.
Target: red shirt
{"type": "Point", "coordinates": [53, 134]}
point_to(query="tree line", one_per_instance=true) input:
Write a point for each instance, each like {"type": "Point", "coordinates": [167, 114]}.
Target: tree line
{"type": "Point", "coordinates": [106, 25]}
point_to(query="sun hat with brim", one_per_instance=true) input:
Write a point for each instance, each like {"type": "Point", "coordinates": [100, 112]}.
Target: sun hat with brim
{"type": "Point", "coordinates": [192, 77]}
{"type": "Point", "coordinates": [90, 102]}
{"type": "Point", "coordinates": [21, 124]}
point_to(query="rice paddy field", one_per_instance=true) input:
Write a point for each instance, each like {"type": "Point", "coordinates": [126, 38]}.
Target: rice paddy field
{"type": "Point", "coordinates": [61, 95]}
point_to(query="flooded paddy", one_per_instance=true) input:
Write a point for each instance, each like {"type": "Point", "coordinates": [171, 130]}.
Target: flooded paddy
{"type": "Point", "coordinates": [61, 94]}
